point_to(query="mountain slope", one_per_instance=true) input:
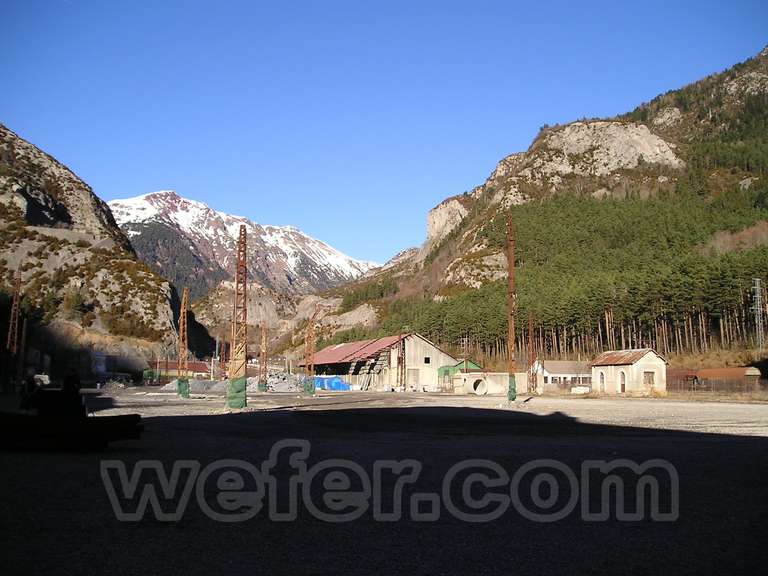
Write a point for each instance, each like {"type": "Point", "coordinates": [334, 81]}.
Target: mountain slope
{"type": "Point", "coordinates": [615, 219]}
{"type": "Point", "coordinates": [77, 266]}
{"type": "Point", "coordinates": [194, 245]}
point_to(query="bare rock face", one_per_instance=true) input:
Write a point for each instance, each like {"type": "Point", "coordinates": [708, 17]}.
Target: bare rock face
{"type": "Point", "coordinates": [265, 306]}
{"type": "Point", "coordinates": [668, 117]}
{"type": "Point", "coordinates": [50, 193]}
{"type": "Point", "coordinates": [443, 218]}
{"type": "Point", "coordinates": [596, 149]}
{"type": "Point", "coordinates": [750, 84]}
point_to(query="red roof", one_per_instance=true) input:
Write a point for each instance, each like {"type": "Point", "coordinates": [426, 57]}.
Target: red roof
{"type": "Point", "coordinates": [622, 357]}
{"type": "Point", "coordinates": [359, 350]}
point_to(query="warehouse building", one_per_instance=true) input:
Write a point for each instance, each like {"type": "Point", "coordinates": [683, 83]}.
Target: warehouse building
{"type": "Point", "coordinates": [404, 361]}
{"type": "Point", "coordinates": [637, 371]}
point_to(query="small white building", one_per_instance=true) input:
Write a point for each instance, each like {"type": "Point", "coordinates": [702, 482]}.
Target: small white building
{"type": "Point", "coordinates": [637, 371]}
{"type": "Point", "coordinates": [561, 375]}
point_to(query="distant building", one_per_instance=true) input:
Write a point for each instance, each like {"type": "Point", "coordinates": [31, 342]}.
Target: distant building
{"type": "Point", "coordinates": [639, 370]}
{"type": "Point", "coordinates": [445, 373]}
{"type": "Point", "coordinates": [561, 375]}
{"type": "Point", "coordinates": [734, 379]}
{"type": "Point", "coordinates": [375, 364]}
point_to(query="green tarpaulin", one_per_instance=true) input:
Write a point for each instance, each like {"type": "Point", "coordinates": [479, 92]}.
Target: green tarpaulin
{"type": "Point", "coordinates": [182, 387]}
{"type": "Point", "coordinates": [512, 390]}
{"type": "Point", "coordinates": [236, 393]}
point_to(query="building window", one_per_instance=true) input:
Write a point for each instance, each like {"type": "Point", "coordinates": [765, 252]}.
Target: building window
{"type": "Point", "coordinates": [546, 379]}
{"type": "Point", "coordinates": [648, 379]}
{"type": "Point", "coordinates": [426, 359]}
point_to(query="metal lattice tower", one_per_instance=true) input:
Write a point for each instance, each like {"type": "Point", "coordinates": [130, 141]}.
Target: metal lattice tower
{"type": "Point", "coordinates": [309, 353]}
{"type": "Point", "coordinates": [182, 368]}
{"type": "Point", "coordinates": [759, 309]}
{"type": "Point", "coordinates": [239, 351]}
{"type": "Point", "coordinates": [263, 373]}
{"type": "Point", "coordinates": [12, 344]}
{"type": "Point", "coordinates": [401, 364]}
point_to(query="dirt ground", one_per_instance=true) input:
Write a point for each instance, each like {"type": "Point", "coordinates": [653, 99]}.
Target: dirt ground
{"type": "Point", "coordinates": [56, 516]}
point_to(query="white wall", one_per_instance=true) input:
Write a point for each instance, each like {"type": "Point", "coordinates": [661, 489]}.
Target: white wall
{"type": "Point", "coordinates": [633, 374]}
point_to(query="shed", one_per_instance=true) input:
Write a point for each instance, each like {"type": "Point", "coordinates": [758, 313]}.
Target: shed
{"type": "Point", "coordinates": [444, 373]}
{"type": "Point", "coordinates": [375, 364]}
{"type": "Point", "coordinates": [639, 371]}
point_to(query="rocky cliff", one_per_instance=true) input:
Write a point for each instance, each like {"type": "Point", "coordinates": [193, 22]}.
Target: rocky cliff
{"type": "Point", "coordinates": [77, 266]}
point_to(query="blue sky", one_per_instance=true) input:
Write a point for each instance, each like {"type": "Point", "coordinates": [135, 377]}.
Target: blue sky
{"type": "Point", "coordinates": [349, 120]}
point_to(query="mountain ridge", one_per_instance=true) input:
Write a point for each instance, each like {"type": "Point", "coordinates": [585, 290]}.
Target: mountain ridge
{"type": "Point", "coordinates": [280, 258]}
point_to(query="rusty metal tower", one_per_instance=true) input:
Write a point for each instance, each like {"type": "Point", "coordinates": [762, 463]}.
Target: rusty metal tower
{"type": "Point", "coordinates": [309, 351]}
{"type": "Point", "coordinates": [183, 356]}
{"type": "Point", "coordinates": [12, 344]}
{"type": "Point", "coordinates": [401, 364]}
{"type": "Point", "coordinates": [263, 372]}
{"type": "Point", "coordinates": [511, 308]}
{"type": "Point", "coordinates": [239, 351]}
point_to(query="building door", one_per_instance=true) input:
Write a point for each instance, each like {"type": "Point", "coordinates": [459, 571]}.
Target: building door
{"type": "Point", "coordinates": [602, 381]}
{"type": "Point", "coordinates": [413, 377]}
{"type": "Point", "coordinates": [623, 381]}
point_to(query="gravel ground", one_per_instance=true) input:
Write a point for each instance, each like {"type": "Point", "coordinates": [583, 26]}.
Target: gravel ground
{"type": "Point", "coordinates": [55, 516]}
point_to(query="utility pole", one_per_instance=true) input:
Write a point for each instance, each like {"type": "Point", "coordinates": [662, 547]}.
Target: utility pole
{"type": "Point", "coordinates": [12, 344]}
{"type": "Point", "coordinates": [531, 358]}
{"type": "Point", "coordinates": [214, 357]}
{"type": "Point", "coordinates": [182, 364]}
{"type": "Point", "coordinates": [758, 309]}
{"type": "Point", "coordinates": [511, 308]}
{"type": "Point", "coordinates": [238, 373]}
{"type": "Point", "coordinates": [309, 353]}
{"type": "Point", "coordinates": [263, 359]}
{"type": "Point", "coordinates": [401, 374]}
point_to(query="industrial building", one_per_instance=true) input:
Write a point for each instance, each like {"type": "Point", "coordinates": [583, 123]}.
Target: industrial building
{"type": "Point", "coordinates": [636, 371]}
{"type": "Point", "coordinates": [404, 361]}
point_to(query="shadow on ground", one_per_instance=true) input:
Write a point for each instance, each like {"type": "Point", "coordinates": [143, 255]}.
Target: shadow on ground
{"type": "Point", "coordinates": [56, 517]}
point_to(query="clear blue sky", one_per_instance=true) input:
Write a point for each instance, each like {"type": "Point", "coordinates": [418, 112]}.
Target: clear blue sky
{"type": "Point", "coordinates": [349, 120]}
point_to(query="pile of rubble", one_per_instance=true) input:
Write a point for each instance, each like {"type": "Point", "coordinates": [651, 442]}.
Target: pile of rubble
{"type": "Point", "coordinates": [284, 382]}
{"type": "Point", "coordinates": [199, 386]}
{"type": "Point", "coordinates": [276, 382]}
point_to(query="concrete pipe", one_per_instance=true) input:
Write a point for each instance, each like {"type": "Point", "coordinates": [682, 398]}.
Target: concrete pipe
{"type": "Point", "coordinates": [480, 387]}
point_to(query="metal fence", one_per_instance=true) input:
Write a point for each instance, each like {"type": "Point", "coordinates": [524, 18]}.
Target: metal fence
{"type": "Point", "coordinates": [717, 386]}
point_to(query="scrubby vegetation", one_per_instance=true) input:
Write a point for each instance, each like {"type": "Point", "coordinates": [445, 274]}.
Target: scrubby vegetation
{"type": "Point", "coordinates": [367, 292]}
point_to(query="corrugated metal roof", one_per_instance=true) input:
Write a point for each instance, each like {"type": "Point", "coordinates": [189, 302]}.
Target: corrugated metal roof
{"type": "Point", "coordinates": [359, 350]}
{"type": "Point", "coordinates": [734, 373]}
{"type": "Point", "coordinates": [622, 357]}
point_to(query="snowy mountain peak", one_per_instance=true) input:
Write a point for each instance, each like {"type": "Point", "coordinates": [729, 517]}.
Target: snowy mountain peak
{"type": "Point", "coordinates": [280, 257]}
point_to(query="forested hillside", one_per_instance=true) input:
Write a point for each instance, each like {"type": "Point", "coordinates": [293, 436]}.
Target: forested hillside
{"type": "Point", "coordinates": [598, 268]}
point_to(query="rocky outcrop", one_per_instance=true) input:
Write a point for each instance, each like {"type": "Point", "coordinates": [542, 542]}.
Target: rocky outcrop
{"type": "Point", "coordinates": [76, 264]}
{"type": "Point", "coordinates": [49, 193]}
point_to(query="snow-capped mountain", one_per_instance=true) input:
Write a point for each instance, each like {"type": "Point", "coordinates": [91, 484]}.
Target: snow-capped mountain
{"type": "Point", "coordinates": [194, 245]}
